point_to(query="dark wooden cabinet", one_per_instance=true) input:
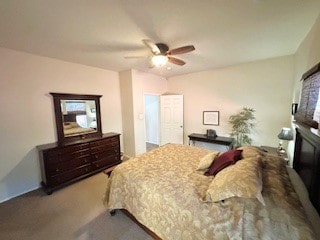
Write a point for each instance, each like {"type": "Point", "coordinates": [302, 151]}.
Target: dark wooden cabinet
{"type": "Point", "coordinates": [67, 163]}
{"type": "Point", "coordinates": [225, 141]}
{"type": "Point", "coordinates": [307, 161]}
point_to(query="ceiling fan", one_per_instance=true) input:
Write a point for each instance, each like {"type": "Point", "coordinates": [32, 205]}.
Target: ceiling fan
{"type": "Point", "coordinates": [161, 53]}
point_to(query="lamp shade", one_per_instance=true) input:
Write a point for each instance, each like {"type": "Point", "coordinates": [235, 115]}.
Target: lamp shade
{"type": "Point", "coordinates": [285, 134]}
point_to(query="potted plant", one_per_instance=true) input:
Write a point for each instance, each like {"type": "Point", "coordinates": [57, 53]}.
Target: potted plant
{"type": "Point", "coordinates": [242, 125]}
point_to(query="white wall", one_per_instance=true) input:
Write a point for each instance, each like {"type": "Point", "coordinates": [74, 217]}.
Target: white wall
{"type": "Point", "coordinates": [27, 117]}
{"type": "Point", "coordinates": [144, 83]}
{"type": "Point", "coordinates": [265, 86]}
{"type": "Point", "coordinates": [135, 84]}
{"type": "Point", "coordinates": [307, 55]}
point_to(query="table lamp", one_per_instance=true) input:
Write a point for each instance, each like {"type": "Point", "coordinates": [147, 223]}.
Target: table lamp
{"type": "Point", "coordinates": [285, 134]}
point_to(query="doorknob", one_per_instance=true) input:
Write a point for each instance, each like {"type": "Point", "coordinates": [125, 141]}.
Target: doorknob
{"type": "Point", "coordinates": [181, 126]}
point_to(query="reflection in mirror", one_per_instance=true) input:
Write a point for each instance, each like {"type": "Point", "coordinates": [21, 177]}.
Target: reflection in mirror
{"type": "Point", "coordinates": [79, 117]}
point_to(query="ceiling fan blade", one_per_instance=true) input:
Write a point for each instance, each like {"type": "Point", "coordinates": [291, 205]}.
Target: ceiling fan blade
{"type": "Point", "coordinates": [154, 48]}
{"type": "Point", "coordinates": [176, 61]}
{"type": "Point", "coordinates": [181, 50]}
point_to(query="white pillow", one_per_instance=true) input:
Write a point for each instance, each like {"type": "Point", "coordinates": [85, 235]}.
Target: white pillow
{"type": "Point", "coordinates": [206, 160]}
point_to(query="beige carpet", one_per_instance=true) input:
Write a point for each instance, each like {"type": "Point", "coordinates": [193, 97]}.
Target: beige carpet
{"type": "Point", "coordinates": [73, 212]}
{"type": "Point", "coordinates": [151, 146]}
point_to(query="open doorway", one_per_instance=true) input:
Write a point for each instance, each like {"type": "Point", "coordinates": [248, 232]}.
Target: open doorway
{"type": "Point", "coordinates": [152, 121]}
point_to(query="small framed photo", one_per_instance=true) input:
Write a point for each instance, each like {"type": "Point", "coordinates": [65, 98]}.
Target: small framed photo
{"type": "Point", "coordinates": [211, 118]}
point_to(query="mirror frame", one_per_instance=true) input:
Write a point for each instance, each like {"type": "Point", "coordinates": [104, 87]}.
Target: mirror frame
{"type": "Point", "coordinates": [57, 97]}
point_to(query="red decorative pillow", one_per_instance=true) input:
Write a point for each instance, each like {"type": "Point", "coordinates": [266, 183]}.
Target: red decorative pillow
{"type": "Point", "coordinates": [222, 161]}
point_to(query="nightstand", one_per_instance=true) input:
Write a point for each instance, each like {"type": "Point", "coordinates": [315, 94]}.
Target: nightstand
{"type": "Point", "coordinates": [274, 151]}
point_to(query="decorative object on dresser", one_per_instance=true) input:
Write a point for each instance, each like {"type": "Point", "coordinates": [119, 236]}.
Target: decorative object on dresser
{"type": "Point", "coordinates": [81, 150]}
{"type": "Point", "coordinates": [285, 134]}
{"type": "Point", "coordinates": [211, 133]}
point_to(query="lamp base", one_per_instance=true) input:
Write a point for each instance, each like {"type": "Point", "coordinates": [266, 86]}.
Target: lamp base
{"type": "Point", "coordinates": [281, 149]}
{"type": "Point", "coordinates": [282, 152]}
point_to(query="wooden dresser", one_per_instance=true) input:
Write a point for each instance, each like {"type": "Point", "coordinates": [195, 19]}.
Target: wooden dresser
{"type": "Point", "coordinates": [67, 163]}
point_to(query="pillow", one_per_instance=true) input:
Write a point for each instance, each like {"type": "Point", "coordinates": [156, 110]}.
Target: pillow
{"type": "Point", "coordinates": [222, 161]}
{"type": "Point", "coordinates": [243, 179]}
{"type": "Point", "coordinates": [206, 161]}
{"type": "Point", "coordinates": [251, 151]}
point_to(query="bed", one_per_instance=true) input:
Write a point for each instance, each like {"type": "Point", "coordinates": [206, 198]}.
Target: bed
{"type": "Point", "coordinates": [166, 191]}
{"type": "Point", "coordinates": [73, 129]}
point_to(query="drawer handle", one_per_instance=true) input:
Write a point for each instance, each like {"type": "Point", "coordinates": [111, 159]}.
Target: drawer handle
{"type": "Point", "coordinates": [96, 156]}
{"type": "Point", "coordinates": [85, 160]}
{"type": "Point", "coordinates": [57, 170]}
{"type": "Point", "coordinates": [97, 165]}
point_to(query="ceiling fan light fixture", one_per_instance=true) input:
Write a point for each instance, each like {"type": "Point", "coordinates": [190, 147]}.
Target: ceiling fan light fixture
{"type": "Point", "coordinates": [159, 60]}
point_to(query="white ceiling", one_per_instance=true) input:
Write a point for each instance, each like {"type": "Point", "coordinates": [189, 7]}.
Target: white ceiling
{"type": "Point", "coordinates": [101, 33]}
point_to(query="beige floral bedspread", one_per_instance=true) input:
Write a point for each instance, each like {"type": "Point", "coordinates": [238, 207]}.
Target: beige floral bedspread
{"type": "Point", "coordinates": [163, 190]}
{"type": "Point", "coordinates": [77, 131]}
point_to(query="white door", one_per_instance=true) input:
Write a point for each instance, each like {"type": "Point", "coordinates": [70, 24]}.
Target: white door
{"type": "Point", "coordinates": [171, 115]}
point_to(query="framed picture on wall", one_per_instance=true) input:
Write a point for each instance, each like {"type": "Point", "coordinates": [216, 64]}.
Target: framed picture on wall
{"type": "Point", "coordinates": [211, 118]}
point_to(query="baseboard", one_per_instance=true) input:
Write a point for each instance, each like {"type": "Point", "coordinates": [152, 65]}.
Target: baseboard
{"type": "Point", "coordinates": [19, 194]}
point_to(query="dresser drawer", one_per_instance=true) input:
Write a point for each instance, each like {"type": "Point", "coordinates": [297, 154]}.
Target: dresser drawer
{"type": "Point", "coordinates": [105, 150]}
{"type": "Point", "coordinates": [106, 161]}
{"type": "Point", "coordinates": [107, 141]}
{"type": "Point", "coordinates": [66, 149]}
{"type": "Point", "coordinates": [57, 155]}
{"type": "Point", "coordinates": [69, 175]}
{"type": "Point", "coordinates": [60, 167]}
{"type": "Point", "coordinates": [104, 147]}
{"type": "Point", "coordinates": [66, 157]}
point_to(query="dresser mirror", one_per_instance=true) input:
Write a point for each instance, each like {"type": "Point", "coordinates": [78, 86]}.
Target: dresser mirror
{"type": "Point", "coordinates": [77, 116]}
